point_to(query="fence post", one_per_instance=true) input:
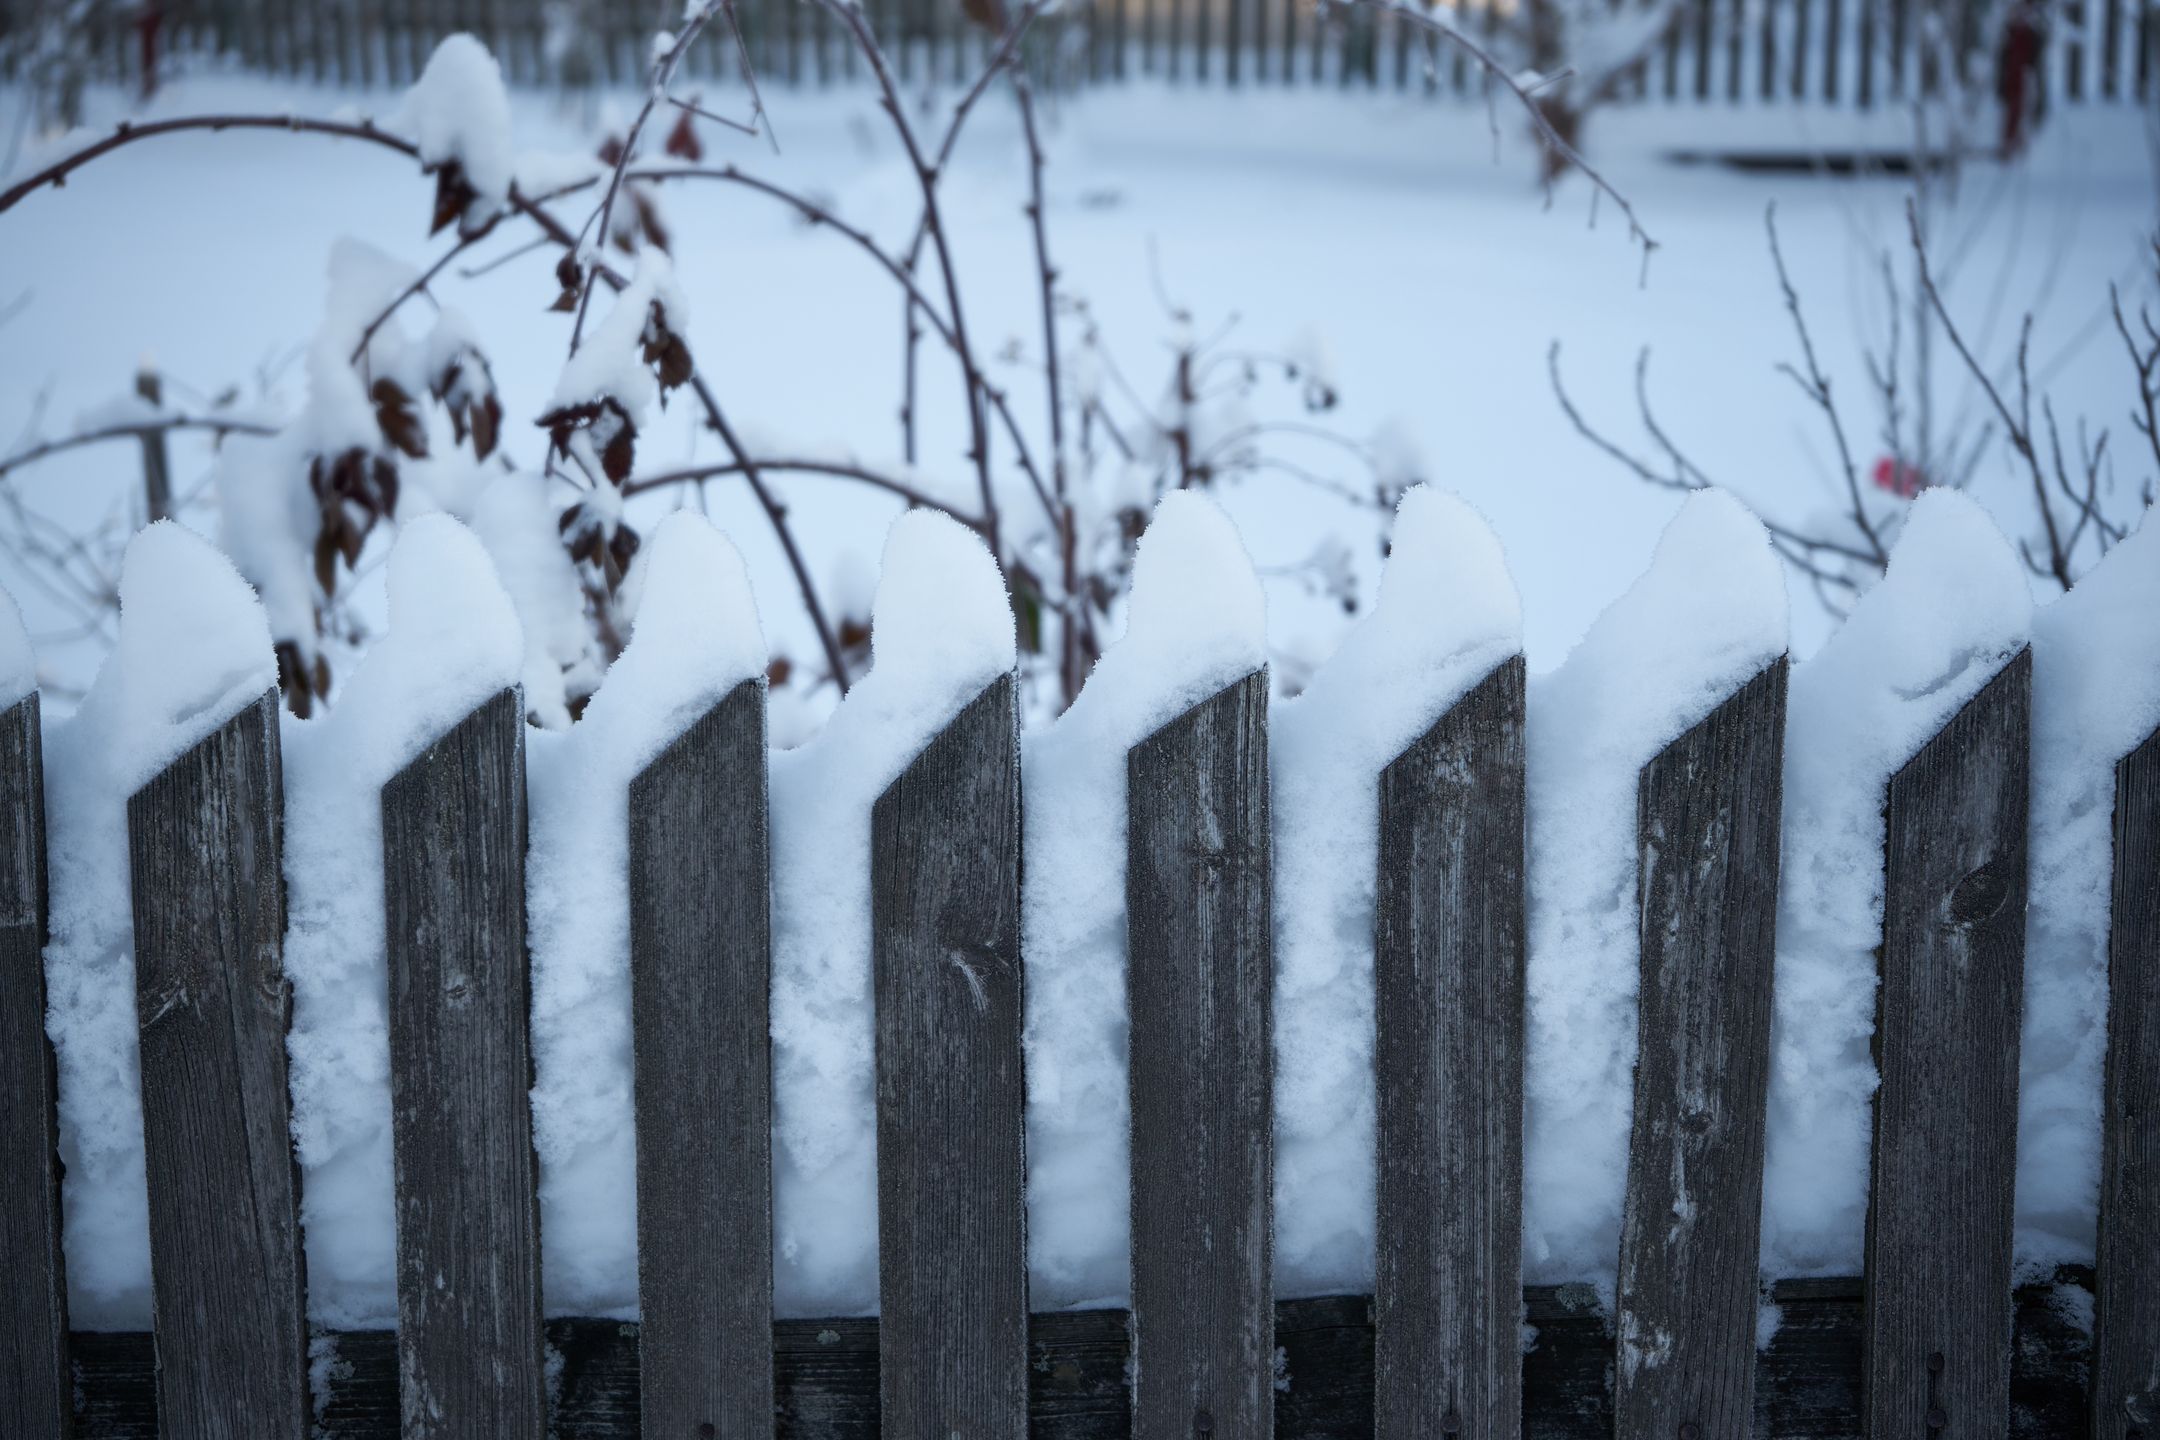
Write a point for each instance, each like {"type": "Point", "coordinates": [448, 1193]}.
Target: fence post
{"type": "Point", "coordinates": [205, 857]}
{"type": "Point", "coordinates": [1448, 1062]}
{"type": "Point", "coordinates": [468, 1220]}
{"type": "Point", "coordinates": [701, 971]}
{"type": "Point", "coordinates": [1937, 1312]}
{"type": "Point", "coordinates": [951, 1142]}
{"type": "Point", "coordinates": [1199, 986]}
{"type": "Point", "coordinates": [1707, 829]}
{"type": "Point", "coordinates": [2126, 1325]}
{"type": "Point", "coordinates": [157, 468]}
{"type": "Point", "coordinates": [36, 1386]}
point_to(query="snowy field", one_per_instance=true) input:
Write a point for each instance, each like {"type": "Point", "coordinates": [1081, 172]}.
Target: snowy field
{"type": "Point", "coordinates": [1378, 231]}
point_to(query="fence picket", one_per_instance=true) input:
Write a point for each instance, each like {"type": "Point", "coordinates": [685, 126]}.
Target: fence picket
{"type": "Point", "coordinates": [1708, 816]}
{"type": "Point", "coordinates": [35, 1383]}
{"type": "Point", "coordinates": [701, 969]}
{"type": "Point", "coordinates": [1937, 1310]}
{"type": "Point", "coordinates": [205, 851]}
{"type": "Point", "coordinates": [1199, 984]}
{"type": "Point", "coordinates": [2126, 1325]}
{"type": "Point", "coordinates": [1448, 1059]}
{"type": "Point", "coordinates": [951, 1144]}
{"type": "Point", "coordinates": [468, 1222]}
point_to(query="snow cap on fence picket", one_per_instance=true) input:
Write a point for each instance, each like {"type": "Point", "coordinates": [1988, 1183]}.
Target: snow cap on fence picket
{"type": "Point", "coordinates": [2096, 698]}
{"type": "Point", "coordinates": [694, 638]}
{"type": "Point", "coordinates": [1447, 614]}
{"type": "Point", "coordinates": [453, 641]}
{"type": "Point", "coordinates": [458, 112]}
{"type": "Point", "coordinates": [194, 648]}
{"type": "Point", "coordinates": [1952, 607]}
{"type": "Point", "coordinates": [941, 632]}
{"type": "Point", "coordinates": [1705, 618]}
{"type": "Point", "coordinates": [18, 662]}
{"type": "Point", "coordinates": [1196, 622]}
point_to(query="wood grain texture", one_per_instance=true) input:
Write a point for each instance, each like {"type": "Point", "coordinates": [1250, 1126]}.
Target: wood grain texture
{"type": "Point", "coordinates": [701, 973]}
{"type": "Point", "coordinates": [2126, 1327]}
{"type": "Point", "coordinates": [826, 1372]}
{"type": "Point", "coordinates": [205, 858]}
{"type": "Point", "coordinates": [1707, 818]}
{"type": "Point", "coordinates": [1946, 1046]}
{"type": "Point", "coordinates": [1199, 988]}
{"type": "Point", "coordinates": [468, 1222]}
{"type": "Point", "coordinates": [951, 1084]}
{"type": "Point", "coordinates": [1448, 1065]}
{"type": "Point", "coordinates": [34, 1378]}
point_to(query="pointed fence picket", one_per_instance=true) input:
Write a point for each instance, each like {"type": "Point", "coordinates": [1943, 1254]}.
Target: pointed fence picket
{"type": "Point", "coordinates": [945, 944]}
{"type": "Point", "coordinates": [1690, 1241]}
{"type": "Point", "coordinates": [1933, 1334]}
{"type": "Point", "coordinates": [1944, 1166]}
{"type": "Point", "coordinates": [468, 1213]}
{"type": "Point", "coordinates": [2126, 1323]}
{"type": "Point", "coordinates": [700, 984]}
{"type": "Point", "coordinates": [1199, 983]}
{"type": "Point", "coordinates": [35, 1384]}
{"type": "Point", "coordinates": [1448, 1004]}
{"type": "Point", "coordinates": [205, 862]}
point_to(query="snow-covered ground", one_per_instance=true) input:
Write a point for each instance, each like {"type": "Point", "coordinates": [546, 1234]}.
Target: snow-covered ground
{"type": "Point", "coordinates": [1435, 280]}
{"type": "Point", "coordinates": [1433, 276]}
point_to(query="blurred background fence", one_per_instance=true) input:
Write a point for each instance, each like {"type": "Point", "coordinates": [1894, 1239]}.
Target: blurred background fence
{"type": "Point", "coordinates": [1842, 53]}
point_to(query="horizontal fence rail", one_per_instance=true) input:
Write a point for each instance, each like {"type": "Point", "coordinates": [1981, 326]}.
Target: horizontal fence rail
{"type": "Point", "coordinates": [1933, 1337]}
{"type": "Point", "coordinates": [1861, 54]}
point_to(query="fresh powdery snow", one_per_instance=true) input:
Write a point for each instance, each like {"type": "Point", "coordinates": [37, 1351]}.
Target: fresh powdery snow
{"type": "Point", "coordinates": [1447, 615]}
{"type": "Point", "coordinates": [458, 111]}
{"type": "Point", "coordinates": [1708, 615]}
{"type": "Point", "coordinates": [453, 641]}
{"type": "Point", "coordinates": [193, 651]}
{"type": "Point", "coordinates": [611, 363]}
{"type": "Point", "coordinates": [1953, 607]}
{"type": "Point", "coordinates": [2096, 697]}
{"type": "Point", "coordinates": [695, 639]}
{"type": "Point", "coordinates": [941, 631]}
{"type": "Point", "coordinates": [1196, 622]}
{"type": "Point", "coordinates": [18, 662]}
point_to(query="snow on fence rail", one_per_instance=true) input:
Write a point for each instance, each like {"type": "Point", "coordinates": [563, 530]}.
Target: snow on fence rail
{"type": "Point", "coordinates": [1427, 983]}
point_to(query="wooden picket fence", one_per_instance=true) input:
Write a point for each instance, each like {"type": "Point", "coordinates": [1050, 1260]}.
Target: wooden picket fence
{"type": "Point", "coordinates": [1844, 53]}
{"type": "Point", "coordinates": [1931, 1341]}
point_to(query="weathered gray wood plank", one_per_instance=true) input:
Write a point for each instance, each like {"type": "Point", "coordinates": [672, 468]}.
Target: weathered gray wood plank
{"type": "Point", "coordinates": [1707, 882]}
{"type": "Point", "coordinates": [468, 1222]}
{"type": "Point", "coordinates": [1199, 987]}
{"type": "Point", "coordinates": [205, 858]}
{"type": "Point", "coordinates": [2126, 1326]}
{"type": "Point", "coordinates": [34, 1379]}
{"type": "Point", "coordinates": [701, 972]}
{"type": "Point", "coordinates": [952, 1144]}
{"type": "Point", "coordinates": [1448, 1062]}
{"type": "Point", "coordinates": [1937, 1329]}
